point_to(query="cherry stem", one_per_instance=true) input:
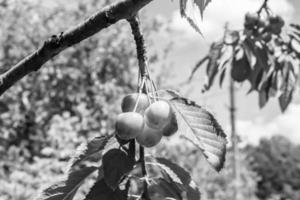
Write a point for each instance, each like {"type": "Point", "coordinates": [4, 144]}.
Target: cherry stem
{"type": "Point", "coordinates": [144, 172]}
{"type": "Point", "coordinates": [263, 6]}
{"type": "Point", "coordinates": [144, 73]}
{"type": "Point", "coordinates": [140, 89]}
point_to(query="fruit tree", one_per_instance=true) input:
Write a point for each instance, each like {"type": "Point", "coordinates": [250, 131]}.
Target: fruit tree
{"type": "Point", "coordinates": [265, 53]}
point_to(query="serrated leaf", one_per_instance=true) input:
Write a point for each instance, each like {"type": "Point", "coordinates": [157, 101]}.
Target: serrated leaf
{"type": "Point", "coordinates": [66, 190]}
{"type": "Point", "coordinates": [91, 149]}
{"type": "Point", "coordinates": [191, 10]}
{"type": "Point", "coordinates": [116, 164]}
{"type": "Point", "coordinates": [204, 131]}
{"type": "Point", "coordinates": [176, 172]}
{"type": "Point", "coordinates": [100, 191]}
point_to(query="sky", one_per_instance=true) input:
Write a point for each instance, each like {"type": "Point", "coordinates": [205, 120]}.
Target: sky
{"type": "Point", "coordinates": [189, 47]}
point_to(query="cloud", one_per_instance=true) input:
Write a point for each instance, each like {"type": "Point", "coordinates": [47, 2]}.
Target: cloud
{"type": "Point", "coordinates": [287, 124]}
{"type": "Point", "coordinates": [221, 11]}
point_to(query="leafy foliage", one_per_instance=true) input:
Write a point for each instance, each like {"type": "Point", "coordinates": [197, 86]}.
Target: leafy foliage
{"type": "Point", "coordinates": [261, 54]}
{"type": "Point", "coordinates": [91, 149]}
{"type": "Point", "coordinates": [276, 161]}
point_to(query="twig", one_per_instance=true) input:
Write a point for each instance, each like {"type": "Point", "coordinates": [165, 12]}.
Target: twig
{"type": "Point", "coordinates": [140, 44]}
{"type": "Point", "coordinates": [263, 6]}
{"type": "Point", "coordinates": [123, 9]}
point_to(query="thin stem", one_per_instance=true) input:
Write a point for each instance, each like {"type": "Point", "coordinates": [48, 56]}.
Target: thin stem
{"type": "Point", "coordinates": [144, 172]}
{"type": "Point", "coordinates": [263, 6]}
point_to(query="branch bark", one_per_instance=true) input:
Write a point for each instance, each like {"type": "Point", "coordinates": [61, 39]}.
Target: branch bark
{"type": "Point", "coordinates": [124, 9]}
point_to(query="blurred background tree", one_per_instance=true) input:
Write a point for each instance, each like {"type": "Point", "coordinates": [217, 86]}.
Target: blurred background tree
{"type": "Point", "coordinates": [277, 162]}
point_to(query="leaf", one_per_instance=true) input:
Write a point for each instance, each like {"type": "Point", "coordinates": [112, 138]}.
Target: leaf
{"type": "Point", "coordinates": [66, 190]}
{"type": "Point", "coordinates": [161, 189]}
{"type": "Point", "coordinates": [222, 76]}
{"type": "Point", "coordinates": [116, 164]}
{"type": "Point", "coordinates": [264, 89]}
{"type": "Point", "coordinates": [215, 53]}
{"type": "Point", "coordinates": [176, 172]}
{"type": "Point", "coordinates": [92, 148]}
{"type": "Point", "coordinates": [189, 10]}
{"type": "Point", "coordinates": [285, 99]}
{"type": "Point", "coordinates": [100, 191]}
{"type": "Point", "coordinates": [202, 129]}
{"type": "Point", "coordinates": [198, 65]}
{"type": "Point", "coordinates": [287, 91]}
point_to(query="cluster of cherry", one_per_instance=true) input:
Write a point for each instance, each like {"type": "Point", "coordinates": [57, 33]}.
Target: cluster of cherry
{"type": "Point", "coordinates": [144, 121]}
{"type": "Point", "coordinates": [257, 26]}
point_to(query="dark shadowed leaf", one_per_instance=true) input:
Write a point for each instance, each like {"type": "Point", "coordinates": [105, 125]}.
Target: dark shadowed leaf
{"type": "Point", "coordinates": [100, 191]}
{"type": "Point", "coordinates": [160, 189]}
{"type": "Point", "coordinates": [213, 65]}
{"type": "Point", "coordinates": [198, 65]}
{"type": "Point", "coordinates": [91, 149]}
{"type": "Point", "coordinates": [263, 98]}
{"type": "Point", "coordinates": [287, 90]}
{"type": "Point", "coordinates": [222, 76]}
{"type": "Point", "coordinates": [66, 190]}
{"type": "Point", "coordinates": [200, 127]}
{"type": "Point", "coordinates": [175, 173]}
{"type": "Point", "coordinates": [116, 163]}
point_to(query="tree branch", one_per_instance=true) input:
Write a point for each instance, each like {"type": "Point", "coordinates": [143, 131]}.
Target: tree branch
{"type": "Point", "coordinates": [140, 44]}
{"type": "Point", "coordinates": [123, 9]}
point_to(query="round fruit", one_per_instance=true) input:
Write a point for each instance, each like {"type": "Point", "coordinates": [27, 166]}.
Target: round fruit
{"type": "Point", "coordinates": [172, 126]}
{"type": "Point", "coordinates": [275, 24]}
{"type": "Point", "coordinates": [157, 115]}
{"type": "Point", "coordinates": [261, 23]}
{"type": "Point", "coordinates": [251, 19]}
{"type": "Point", "coordinates": [267, 37]}
{"type": "Point", "coordinates": [129, 125]}
{"type": "Point", "coordinates": [149, 137]}
{"type": "Point", "coordinates": [240, 69]}
{"type": "Point", "coordinates": [130, 100]}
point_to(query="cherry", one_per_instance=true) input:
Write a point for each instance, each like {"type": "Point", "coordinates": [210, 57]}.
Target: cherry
{"type": "Point", "coordinates": [129, 125]}
{"type": "Point", "coordinates": [130, 100]}
{"type": "Point", "coordinates": [157, 115]}
{"type": "Point", "coordinates": [149, 137]}
{"type": "Point", "coordinates": [172, 126]}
